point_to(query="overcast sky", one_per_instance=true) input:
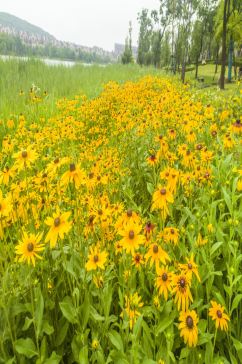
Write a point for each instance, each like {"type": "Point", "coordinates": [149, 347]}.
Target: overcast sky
{"type": "Point", "coordinates": [85, 22]}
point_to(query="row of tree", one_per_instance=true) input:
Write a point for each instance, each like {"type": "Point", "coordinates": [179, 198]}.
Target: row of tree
{"type": "Point", "coordinates": [11, 45]}
{"type": "Point", "coordinates": [185, 32]}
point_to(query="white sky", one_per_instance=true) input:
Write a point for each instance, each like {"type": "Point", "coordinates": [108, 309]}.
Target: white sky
{"type": "Point", "coordinates": [86, 22]}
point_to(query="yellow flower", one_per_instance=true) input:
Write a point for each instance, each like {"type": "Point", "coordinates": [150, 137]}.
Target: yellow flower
{"type": "Point", "coordinates": [163, 281]}
{"type": "Point", "coordinates": [5, 205]}
{"type": "Point", "coordinates": [137, 260]}
{"type": "Point", "coordinates": [156, 255]}
{"type": "Point", "coordinates": [59, 226]}
{"type": "Point", "coordinates": [201, 241]}
{"type": "Point", "coordinates": [131, 237]}
{"type": "Point", "coordinates": [181, 288]}
{"type": "Point", "coordinates": [95, 344]}
{"type": "Point", "coordinates": [161, 198]}
{"type": "Point", "coordinates": [189, 268]}
{"type": "Point", "coordinates": [132, 305]}
{"type": "Point", "coordinates": [210, 228]}
{"type": "Point", "coordinates": [171, 234]}
{"type": "Point", "coordinates": [216, 312]}
{"type": "Point", "coordinates": [6, 174]}
{"type": "Point", "coordinates": [96, 259]}
{"type": "Point", "coordinates": [25, 158]}
{"type": "Point", "coordinates": [74, 175]}
{"type": "Point", "coordinates": [188, 327]}
{"type": "Point", "coordinates": [239, 185]}
{"type": "Point", "coordinates": [29, 247]}
{"type": "Point", "coordinates": [128, 216]}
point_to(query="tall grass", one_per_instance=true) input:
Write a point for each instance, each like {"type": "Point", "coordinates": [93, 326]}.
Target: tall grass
{"type": "Point", "coordinates": [59, 81]}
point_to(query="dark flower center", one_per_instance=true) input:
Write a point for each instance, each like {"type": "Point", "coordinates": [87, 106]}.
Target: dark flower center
{"type": "Point", "coordinates": [91, 175]}
{"type": "Point", "coordinates": [189, 266]}
{"type": "Point", "coordinates": [95, 258]}
{"type": "Point", "coordinates": [155, 249]}
{"type": "Point", "coordinates": [152, 157]}
{"type": "Point", "coordinates": [30, 247]}
{"type": "Point", "coordinates": [129, 213]}
{"type": "Point", "coordinates": [57, 221]}
{"type": "Point", "coordinates": [164, 277]}
{"type": "Point", "coordinates": [163, 191]}
{"type": "Point", "coordinates": [219, 314]}
{"type": "Point", "coordinates": [24, 154]}
{"type": "Point", "coordinates": [182, 282]}
{"type": "Point", "coordinates": [172, 231]}
{"type": "Point", "coordinates": [137, 258]}
{"type": "Point", "coordinates": [72, 167]}
{"type": "Point", "coordinates": [189, 322]}
{"type": "Point", "coordinates": [131, 234]}
{"type": "Point", "coordinates": [56, 161]}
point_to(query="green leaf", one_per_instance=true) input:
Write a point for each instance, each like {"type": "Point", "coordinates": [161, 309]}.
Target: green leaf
{"type": "Point", "coordinates": [95, 315]}
{"type": "Point", "coordinates": [53, 359]}
{"type": "Point", "coordinates": [237, 344]}
{"type": "Point", "coordinates": [215, 247]}
{"type": "Point", "coordinates": [26, 347]}
{"type": "Point", "coordinates": [116, 340]}
{"type": "Point", "coordinates": [163, 324]}
{"type": "Point", "coordinates": [39, 310]}
{"type": "Point", "coordinates": [47, 328]}
{"type": "Point", "coordinates": [68, 310]}
{"type": "Point", "coordinates": [85, 311]}
{"type": "Point", "coordinates": [236, 302]}
{"type": "Point", "coordinates": [150, 188]}
{"type": "Point", "coordinates": [61, 333]}
{"type": "Point", "coordinates": [83, 356]}
{"type": "Point", "coordinates": [227, 200]}
{"type": "Point", "coordinates": [27, 323]}
{"type": "Point", "coordinates": [137, 326]}
{"type": "Point", "coordinates": [43, 349]}
{"type": "Point", "coordinates": [107, 298]}
{"type": "Point", "coordinates": [209, 353]}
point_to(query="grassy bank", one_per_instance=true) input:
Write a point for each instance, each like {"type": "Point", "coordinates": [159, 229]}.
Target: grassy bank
{"type": "Point", "coordinates": [57, 81]}
{"type": "Point", "coordinates": [17, 77]}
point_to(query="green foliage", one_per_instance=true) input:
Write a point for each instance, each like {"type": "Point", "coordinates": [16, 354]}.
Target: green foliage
{"type": "Point", "coordinates": [13, 45]}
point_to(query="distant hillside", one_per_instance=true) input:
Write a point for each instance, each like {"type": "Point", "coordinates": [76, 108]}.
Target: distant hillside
{"type": "Point", "coordinates": [15, 26]}
{"type": "Point", "coordinates": [18, 37]}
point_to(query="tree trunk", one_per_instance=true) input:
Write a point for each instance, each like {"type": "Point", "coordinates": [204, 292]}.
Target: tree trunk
{"type": "Point", "coordinates": [235, 67]}
{"type": "Point", "coordinates": [223, 60]}
{"type": "Point", "coordinates": [230, 60]}
{"type": "Point", "coordinates": [196, 74]}
{"type": "Point", "coordinates": [183, 73]}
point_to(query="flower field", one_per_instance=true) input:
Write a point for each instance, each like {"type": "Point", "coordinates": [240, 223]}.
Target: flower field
{"type": "Point", "coordinates": [121, 228]}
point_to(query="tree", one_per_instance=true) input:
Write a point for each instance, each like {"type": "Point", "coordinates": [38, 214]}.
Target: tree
{"type": "Point", "coordinates": [197, 43]}
{"type": "Point", "coordinates": [229, 8]}
{"type": "Point", "coordinates": [145, 33]}
{"type": "Point", "coordinates": [127, 56]}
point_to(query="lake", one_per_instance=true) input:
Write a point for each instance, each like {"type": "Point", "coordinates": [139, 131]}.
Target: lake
{"type": "Point", "coordinates": [50, 62]}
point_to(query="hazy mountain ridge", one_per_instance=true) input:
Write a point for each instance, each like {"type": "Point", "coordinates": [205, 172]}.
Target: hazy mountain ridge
{"type": "Point", "coordinates": [35, 36]}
